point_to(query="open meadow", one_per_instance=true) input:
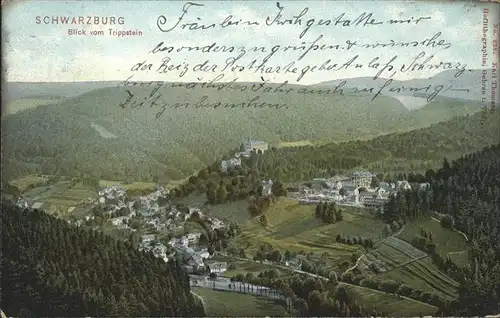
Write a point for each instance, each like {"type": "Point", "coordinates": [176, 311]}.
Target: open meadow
{"type": "Point", "coordinates": [397, 260]}
{"type": "Point", "coordinates": [231, 304]}
{"type": "Point", "coordinates": [294, 227]}
{"type": "Point", "coordinates": [448, 242]}
{"type": "Point", "coordinates": [388, 304]}
{"type": "Point", "coordinates": [61, 197]}
{"type": "Point", "coordinates": [128, 186]}
{"type": "Point", "coordinates": [27, 181]}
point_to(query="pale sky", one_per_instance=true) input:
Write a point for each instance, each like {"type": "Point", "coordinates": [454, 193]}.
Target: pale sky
{"type": "Point", "coordinates": [45, 52]}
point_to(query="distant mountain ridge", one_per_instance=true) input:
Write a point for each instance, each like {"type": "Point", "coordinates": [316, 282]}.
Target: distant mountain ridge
{"type": "Point", "coordinates": [467, 86]}
{"type": "Point", "coordinates": [92, 134]}
{"type": "Point", "coordinates": [470, 80]}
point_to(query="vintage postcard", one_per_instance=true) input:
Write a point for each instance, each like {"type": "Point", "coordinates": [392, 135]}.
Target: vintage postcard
{"type": "Point", "coordinates": [250, 158]}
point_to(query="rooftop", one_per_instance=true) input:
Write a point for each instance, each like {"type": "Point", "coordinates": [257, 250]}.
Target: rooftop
{"type": "Point", "coordinates": [255, 142]}
{"type": "Point", "coordinates": [365, 174]}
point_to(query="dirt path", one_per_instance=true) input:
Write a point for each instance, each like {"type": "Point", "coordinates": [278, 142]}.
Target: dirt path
{"type": "Point", "coordinates": [355, 265]}
{"type": "Point", "coordinates": [459, 252]}
{"type": "Point", "coordinates": [454, 229]}
{"type": "Point", "coordinates": [201, 299]}
{"type": "Point", "coordinates": [408, 262]}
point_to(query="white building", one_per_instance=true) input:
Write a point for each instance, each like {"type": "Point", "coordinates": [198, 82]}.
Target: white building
{"type": "Point", "coordinates": [267, 187]}
{"type": "Point", "coordinates": [204, 254]}
{"type": "Point", "coordinates": [160, 251]}
{"type": "Point", "coordinates": [230, 164]}
{"type": "Point", "coordinates": [117, 221]}
{"type": "Point", "coordinates": [148, 238]}
{"type": "Point", "coordinates": [22, 203]}
{"type": "Point", "coordinates": [403, 185]}
{"type": "Point", "coordinates": [362, 178]}
{"type": "Point", "coordinates": [193, 237]}
{"type": "Point", "coordinates": [217, 267]}
{"type": "Point", "coordinates": [256, 145]}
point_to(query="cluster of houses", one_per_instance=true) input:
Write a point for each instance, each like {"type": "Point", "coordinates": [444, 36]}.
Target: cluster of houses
{"type": "Point", "coordinates": [159, 250]}
{"type": "Point", "coordinates": [196, 260]}
{"type": "Point", "coordinates": [355, 189]}
{"type": "Point", "coordinates": [249, 146]}
{"type": "Point", "coordinates": [26, 203]}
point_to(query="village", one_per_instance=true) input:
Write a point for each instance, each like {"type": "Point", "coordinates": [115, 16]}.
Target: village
{"type": "Point", "coordinates": [356, 189]}
{"type": "Point", "coordinates": [151, 215]}
{"type": "Point", "coordinates": [154, 218]}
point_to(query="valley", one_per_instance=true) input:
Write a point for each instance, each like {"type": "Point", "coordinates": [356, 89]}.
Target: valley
{"type": "Point", "coordinates": [320, 219]}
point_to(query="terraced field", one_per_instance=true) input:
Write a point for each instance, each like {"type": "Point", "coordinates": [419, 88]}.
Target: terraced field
{"type": "Point", "coordinates": [389, 305]}
{"type": "Point", "coordinates": [23, 183]}
{"type": "Point", "coordinates": [294, 227]}
{"type": "Point", "coordinates": [385, 257]}
{"type": "Point", "coordinates": [423, 275]}
{"type": "Point", "coordinates": [404, 247]}
{"type": "Point", "coordinates": [60, 196]}
{"type": "Point", "coordinates": [447, 241]}
{"type": "Point", "coordinates": [398, 260]}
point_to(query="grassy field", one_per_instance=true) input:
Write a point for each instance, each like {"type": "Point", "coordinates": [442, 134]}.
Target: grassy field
{"type": "Point", "coordinates": [129, 186]}
{"type": "Point", "coordinates": [231, 304]}
{"type": "Point", "coordinates": [399, 261]}
{"type": "Point", "coordinates": [388, 304]}
{"type": "Point", "coordinates": [448, 241]}
{"type": "Point", "coordinates": [424, 275]}
{"type": "Point", "coordinates": [60, 196]}
{"type": "Point", "coordinates": [232, 211]}
{"type": "Point", "coordinates": [300, 143]}
{"type": "Point", "coordinates": [293, 227]}
{"type": "Point", "coordinates": [385, 257]}
{"type": "Point", "coordinates": [137, 185]}
{"type": "Point", "coordinates": [23, 183]}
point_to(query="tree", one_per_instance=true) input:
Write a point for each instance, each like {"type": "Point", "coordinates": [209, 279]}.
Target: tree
{"type": "Point", "coordinates": [211, 195]}
{"type": "Point", "coordinates": [338, 215]}
{"type": "Point", "coordinates": [375, 183]}
{"type": "Point", "coordinates": [276, 256]}
{"type": "Point", "coordinates": [242, 147]}
{"type": "Point", "coordinates": [343, 192]}
{"type": "Point", "coordinates": [446, 221]}
{"type": "Point", "coordinates": [221, 194]}
{"type": "Point", "coordinates": [386, 231]}
{"type": "Point", "coordinates": [253, 208]}
{"type": "Point", "coordinates": [263, 220]}
{"type": "Point", "coordinates": [278, 189]}
{"type": "Point", "coordinates": [211, 250]}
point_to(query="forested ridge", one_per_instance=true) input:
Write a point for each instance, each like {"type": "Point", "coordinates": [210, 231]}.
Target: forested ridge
{"type": "Point", "coordinates": [50, 268]}
{"type": "Point", "coordinates": [425, 147]}
{"type": "Point", "coordinates": [466, 193]}
{"type": "Point", "coordinates": [90, 135]}
{"type": "Point", "coordinates": [464, 134]}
